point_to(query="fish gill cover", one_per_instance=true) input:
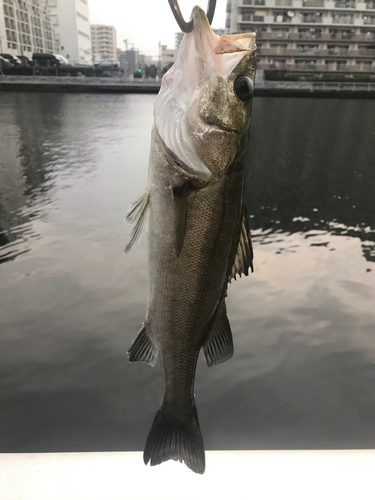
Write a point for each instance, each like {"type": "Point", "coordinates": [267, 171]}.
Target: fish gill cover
{"type": "Point", "coordinates": [203, 57]}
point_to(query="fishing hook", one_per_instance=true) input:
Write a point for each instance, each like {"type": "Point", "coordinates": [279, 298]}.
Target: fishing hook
{"type": "Point", "coordinates": [187, 27]}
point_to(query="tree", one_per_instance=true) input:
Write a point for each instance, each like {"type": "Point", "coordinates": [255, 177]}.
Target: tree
{"type": "Point", "coordinates": [151, 71]}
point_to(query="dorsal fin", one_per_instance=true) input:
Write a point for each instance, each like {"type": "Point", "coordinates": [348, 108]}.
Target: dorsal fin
{"type": "Point", "coordinates": [244, 256]}
{"type": "Point", "coordinates": [137, 215]}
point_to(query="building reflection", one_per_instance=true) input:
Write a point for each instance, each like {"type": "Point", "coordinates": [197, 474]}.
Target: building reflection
{"type": "Point", "coordinates": [24, 164]}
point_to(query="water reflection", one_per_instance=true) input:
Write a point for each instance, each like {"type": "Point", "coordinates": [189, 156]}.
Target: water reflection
{"type": "Point", "coordinates": [314, 169]}
{"type": "Point", "coordinates": [71, 302]}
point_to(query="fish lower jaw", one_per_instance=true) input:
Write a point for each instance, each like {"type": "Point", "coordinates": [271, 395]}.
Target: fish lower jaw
{"type": "Point", "coordinates": [217, 126]}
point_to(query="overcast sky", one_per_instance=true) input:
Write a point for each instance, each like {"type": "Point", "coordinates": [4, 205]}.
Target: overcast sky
{"type": "Point", "coordinates": [146, 22]}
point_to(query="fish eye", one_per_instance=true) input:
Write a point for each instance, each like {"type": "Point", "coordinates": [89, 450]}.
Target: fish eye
{"type": "Point", "coordinates": [244, 88]}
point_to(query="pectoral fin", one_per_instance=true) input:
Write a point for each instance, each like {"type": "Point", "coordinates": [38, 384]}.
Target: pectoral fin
{"type": "Point", "coordinates": [218, 346]}
{"type": "Point", "coordinates": [180, 195]}
{"type": "Point", "coordinates": [244, 257]}
{"type": "Point", "coordinates": [137, 215]}
{"type": "Point", "coordinates": [142, 349]}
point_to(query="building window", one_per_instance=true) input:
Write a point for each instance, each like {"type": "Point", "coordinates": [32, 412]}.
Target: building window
{"type": "Point", "coordinates": [341, 34]}
{"type": "Point", "coordinates": [345, 4]}
{"type": "Point", "coordinates": [283, 3]}
{"type": "Point", "coordinates": [278, 48]}
{"type": "Point", "coordinates": [341, 18]}
{"type": "Point", "coordinates": [310, 34]}
{"type": "Point", "coordinates": [312, 3]}
{"type": "Point", "coordinates": [306, 64]}
{"type": "Point", "coordinates": [368, 19]}
{"type": "Point", "coordinates": [364, 65]}
{"type": "Point", "coordinates": [312, 17]}
{"type": "Point", "coordinates": [259, 16]}
{"type": "Point", "coordinates": [277, 63]}
{"type": "Point", "coordinates": [283, 17]}
{"type": "Point", "coordinates": [338, 50]}
{"type": "Point", "coordinates": [369, 35]}
{"type": "Point", "coordinates": [281, 34]}
{"type": "Point", "coordinates": [308, 49]}
{"type": "Point", "coordinates": [370, 4]}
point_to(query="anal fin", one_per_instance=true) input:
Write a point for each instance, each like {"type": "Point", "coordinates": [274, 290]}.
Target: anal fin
{"type": "Point", "coordinates": [218, 346]}
{"type": "Point", "coordinates": [244, 256]}
{"type": "Point", "coordinates": [142, 349]}
{"type": "Point", "coordinates": [137, 215]}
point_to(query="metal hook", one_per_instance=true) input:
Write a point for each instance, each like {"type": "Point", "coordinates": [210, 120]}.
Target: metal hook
{"type": "Point", "coordinates": [187, 27]}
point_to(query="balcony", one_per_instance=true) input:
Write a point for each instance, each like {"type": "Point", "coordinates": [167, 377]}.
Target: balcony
{"type": "Point", "coordinates": [280, 34]}
{"type": "Point", "coordinates": [312, 3]}
{"type": "Point", "coordinates": [342, 19]}
{"type": "Point", "coordinates": [341, 35]}
{"type": "Point", "coordinates": [307, 50]}
{"type": "Point", "coordinates": [312, 17]}
{"type": "Point", "coordinates": [309, 34]}
{"type": "Point", "coordinates": [344, 4]}
{"type": "Point", "coordinates": [282, 18]}
{"type": "Point", "coordinates": [278, 51]}
{"type": "Point", "coordinates": [369, 20]}
{"type": "Point", "coordinates": [305, 66]}
{"type": "Point", "coordinates": [367, 52]}
{"type": "Point", "coordinates": [338, 50]}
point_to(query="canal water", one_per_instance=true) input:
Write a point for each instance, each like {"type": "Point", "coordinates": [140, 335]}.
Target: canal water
{"type": "Point", "coordinates": [71, 302]}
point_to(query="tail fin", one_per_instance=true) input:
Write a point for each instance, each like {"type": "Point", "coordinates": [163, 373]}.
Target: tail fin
{"type": "Point", "coordinates": [174, 438]}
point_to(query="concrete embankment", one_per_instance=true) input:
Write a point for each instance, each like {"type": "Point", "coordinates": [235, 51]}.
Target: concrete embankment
{"type": "Point", "coordinates": [118, 85]}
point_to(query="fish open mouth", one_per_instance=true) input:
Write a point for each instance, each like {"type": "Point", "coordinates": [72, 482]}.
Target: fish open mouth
{"type": "Point", "coordinates": [218, 126]}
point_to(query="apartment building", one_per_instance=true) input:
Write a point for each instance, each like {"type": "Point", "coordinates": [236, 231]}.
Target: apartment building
{"type": "Point", "coordinates": [103, 42]}
{"type": "Point", "coordinates": [309, 35]}
{"type": "Point", "coordinates": [71, 26]}
{"type": "Point", "coordinates": [166, 56]}
{"type": "Point", "coordinates": [24, 27]}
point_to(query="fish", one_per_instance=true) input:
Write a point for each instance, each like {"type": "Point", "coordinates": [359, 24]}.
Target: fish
{"type": "Point", "coordinates": [197, 224]}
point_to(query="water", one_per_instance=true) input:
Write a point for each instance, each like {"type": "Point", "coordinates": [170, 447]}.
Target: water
{"type": "Point", "coordinates": [71, 302]}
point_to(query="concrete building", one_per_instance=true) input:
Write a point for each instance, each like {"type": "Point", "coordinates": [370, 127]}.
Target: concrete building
{"type": "Point", "coordinates": [166, 56]}
{"type": "Point", "coordinates": [24, 27]}
{"type": "Point", "coordinates": [71, 26]}
{"type": "Point", "coordinates": [129, 61]}
{"type": "Point", "coordinates": [103, 42]}
{"type": "Point", "coordinates": [322, 36]}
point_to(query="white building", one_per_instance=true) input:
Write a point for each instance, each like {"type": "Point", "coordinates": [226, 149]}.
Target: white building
{"type": "Point", "coordinates": [103, 42]}
{"type": "Point", "coordinates": [309, 35]}
{"type": "Point", "coordinates": [166, 56]}
{"type": "Point", "coordinates": [71, 26]}
{"type": "Point", "coordinates": [24, 27]}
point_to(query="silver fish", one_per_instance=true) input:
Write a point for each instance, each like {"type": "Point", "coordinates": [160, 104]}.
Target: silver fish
{"type": "Point", "coordinates": [198, 234]}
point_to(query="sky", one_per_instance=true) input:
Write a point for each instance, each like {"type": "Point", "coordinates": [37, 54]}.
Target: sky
{"type": "Point", "coordinates": [146, 22]}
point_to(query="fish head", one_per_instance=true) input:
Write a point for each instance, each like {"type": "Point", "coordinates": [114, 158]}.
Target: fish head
{"type": "Point", "coordinates": [203, 110]}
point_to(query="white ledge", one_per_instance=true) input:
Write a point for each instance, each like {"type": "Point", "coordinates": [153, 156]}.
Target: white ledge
{"type": "Point", "coordinates": [256, 475]}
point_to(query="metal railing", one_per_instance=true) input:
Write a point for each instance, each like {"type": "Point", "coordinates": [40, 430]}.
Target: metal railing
{"type": "Point", "coordinates": [121, 81]}
{"type": "Point", "coordinates": [317, 86]}
{"type": "Point", "coordinates": [77, 80]}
